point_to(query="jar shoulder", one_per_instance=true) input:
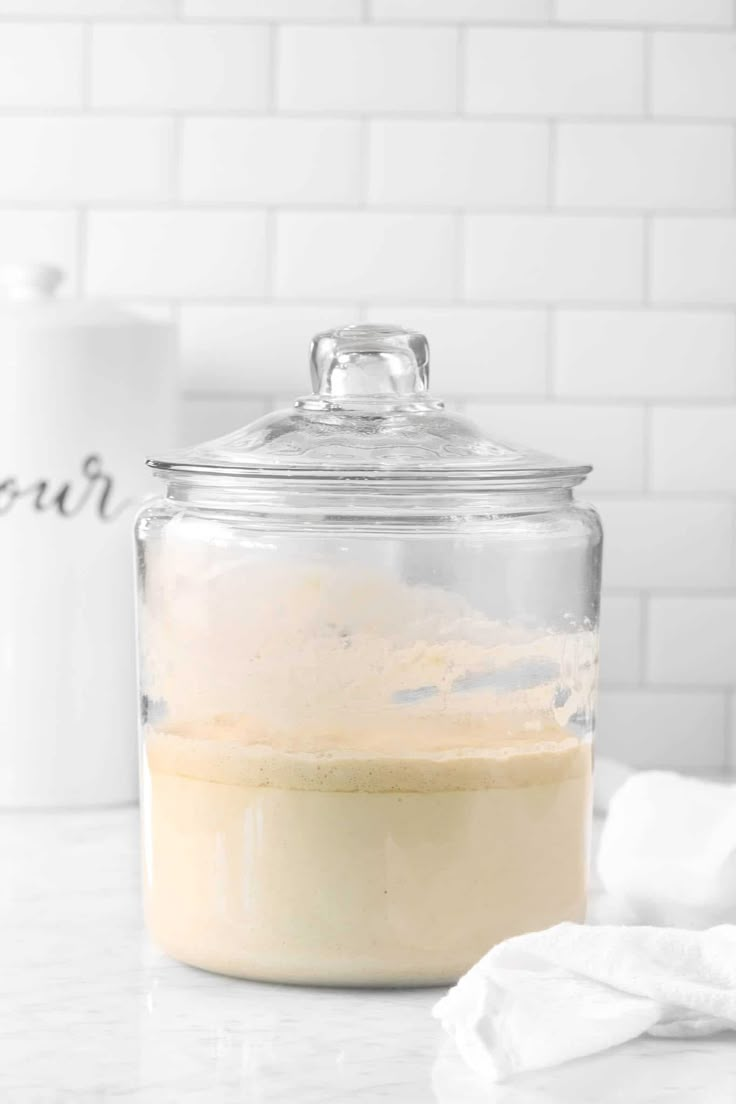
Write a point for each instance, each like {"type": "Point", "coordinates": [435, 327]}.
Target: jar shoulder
{"type": "Point", "coordinates": [570, 518]}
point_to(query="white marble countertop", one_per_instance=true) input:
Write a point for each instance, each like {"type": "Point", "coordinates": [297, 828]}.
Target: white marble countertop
{"type": "Point", "coordinates": [91, 1013]}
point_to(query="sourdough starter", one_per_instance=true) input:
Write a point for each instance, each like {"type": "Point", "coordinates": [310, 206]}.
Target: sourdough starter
{"type": "Point", "coordinates": [342, 790]}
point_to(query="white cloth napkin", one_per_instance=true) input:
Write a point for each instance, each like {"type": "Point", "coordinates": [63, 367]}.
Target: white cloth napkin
{"type": "Point", "coordinates": [668, 850]}
{"type": "Point", "coordinates": [546, 997]}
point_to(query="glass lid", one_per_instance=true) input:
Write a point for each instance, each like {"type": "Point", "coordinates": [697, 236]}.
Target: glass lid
{"type": "Point", "coordinates": [370, 418]}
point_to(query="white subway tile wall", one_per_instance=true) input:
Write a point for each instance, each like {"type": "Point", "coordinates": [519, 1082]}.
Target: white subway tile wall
{"type": "Point", "coordinates": [552, 258]}
{"type": "Point", "coordinates": [664, 166]}
{"type": "Point", "coordinates": [546, 187]}
{"type": "Point", "coordinates": [367, 69]}
{"type": "Point", "coordinates": [655, 13]}
{"type": "Point", "coordinates": [365, 255]}
{"type": "Point", "coordinates": [693, 74]}
{"type": "Point", "coordinates": [554, 71]}
{"type": "Point", "coordinates": [271, 161]}
{"type": "Point", "coordinates": [177, 253]}
{"type": "Point", "coordinates": [694, 260]}
{"type": "Point", "coordinates": [621, 643]}
{"type": "Point", "coordinates": [179, 68]}
{"type": "Point", "coordinates": [682, 729]}
{"type": "Point", "coordinates": [461, 164]}
{"type": "Point", "coordinates": [85, 159]}
{"type": "Point", "coordinates": [40, 66]}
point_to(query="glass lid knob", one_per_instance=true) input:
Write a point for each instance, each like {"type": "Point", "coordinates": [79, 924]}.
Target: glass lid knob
{"type": "Point", "coordinates": [369, 360]}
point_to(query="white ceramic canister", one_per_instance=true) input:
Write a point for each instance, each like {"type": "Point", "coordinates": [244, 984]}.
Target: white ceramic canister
{"type": "Point", "coordinates": [86, 391]}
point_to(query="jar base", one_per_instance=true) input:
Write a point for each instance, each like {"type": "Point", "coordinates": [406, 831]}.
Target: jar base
{"type": "Point", "coordinates": [333, 974]}
{"type": "Point", "coordinates": [332, 977]}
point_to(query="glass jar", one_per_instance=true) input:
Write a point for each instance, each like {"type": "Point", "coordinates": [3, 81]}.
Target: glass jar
{"type": "Point", "coordinates": [368, 661]}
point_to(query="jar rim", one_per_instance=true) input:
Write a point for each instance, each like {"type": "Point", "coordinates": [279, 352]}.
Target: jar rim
{"type": "Point", "coordinates": [407, 478]}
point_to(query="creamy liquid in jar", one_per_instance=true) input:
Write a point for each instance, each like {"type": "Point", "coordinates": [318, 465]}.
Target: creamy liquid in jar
{"type": "Point", "coordinates": [297, 868]}
{"type": "Point", "coordinates": [329, 825]}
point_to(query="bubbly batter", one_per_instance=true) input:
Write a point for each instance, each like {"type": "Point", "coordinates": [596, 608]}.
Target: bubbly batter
{"type": "Point", "coordinates": [356, 780]}
{"type": "Point", "coordinates": [356, 869]}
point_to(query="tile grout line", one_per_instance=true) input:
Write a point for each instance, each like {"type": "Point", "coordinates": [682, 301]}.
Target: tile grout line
{"type": "Point", "coordinates": [624, 401]}
{"type": "Point", "coordinates": [551, 352]}
{"type": "Point", "coordinates": [538, 214]}
{"type": "Point", "coordinates": [728, 756]}
{"type": "Point", "coordinates": [545, 22]}
{"type": "Point", "coordinates": [87, 34]}
{"type": "Point", "coordinates": [646, 409]}
{"type": "Point", "coordinates": [647, 74]}
{"type": "Point", "coordinates": [552, 136]}
{"type": "Point", "coordinates": [175, 162]}
{"type": "Point", "coordinates": [675, 688]}
{"type": "Point", "coordinates": [646, 258]}
{"type": "Point", "coordinates": [644, 613]}
{"type": "Point", "coordinates": [365, 153]}
{"type": "Point", "coordinates": [730, 706]}
{"type": "Point", "coordinates": [245, 111]}
{"type": "Point", "coordinates": [683, 594]}
{"type": "Point", "coordinates": [730, 699]}
{"type": "Point", "coordinates": [460, 255]}
{"type": "Point", "coordinates": [460, 65]}
{"type": "Point", "coordinates": [271, 235]}
{"type": "Point", "coordinates": [81, 245]}
{"type": "Point", "coordinates": [274, 52]}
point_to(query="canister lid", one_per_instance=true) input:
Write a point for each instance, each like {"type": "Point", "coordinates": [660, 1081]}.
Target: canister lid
{"type": "Point", "coordinates": [29, 282]}
{"type": "Point", "coordinates": [28, 302]}
{"type": "Point", "coordinates": [370, 418]}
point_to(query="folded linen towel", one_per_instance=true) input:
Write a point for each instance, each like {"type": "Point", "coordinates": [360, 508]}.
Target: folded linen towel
{"type": "Point", "coordinates": [543, 998]}
{"type": "Point", "coordinates": [668, 850]}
